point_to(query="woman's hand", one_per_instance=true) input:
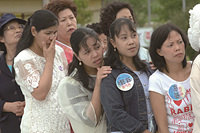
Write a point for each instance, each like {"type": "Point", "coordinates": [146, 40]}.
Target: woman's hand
{"type": "Point", "coordinates": [152, 65]}
{"type": "Point", "coordinates": [103, 72]}
{"type": "Point", "coordinates": [14, 107]}
{"type": "Point", "coordinates": [49, 51]}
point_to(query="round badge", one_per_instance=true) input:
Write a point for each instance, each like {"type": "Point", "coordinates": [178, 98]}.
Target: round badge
{"type": "Point", "coordinates": [124, 82]}
{"type": "Point", "coordinates": [177, 92]}
{"type": "Point", "coordinates": [61, 69]}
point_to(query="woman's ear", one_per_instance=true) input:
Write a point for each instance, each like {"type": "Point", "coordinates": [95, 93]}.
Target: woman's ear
{"type": "Point", "coordinates": [77, 57]}
{"type": "Point", "coordinates": [112, 42]}
{"type": "Point", "coordinates": [1, 39]}
{"type": "Point", "coordinates": [33, 31]}
{"type": "Point", "coordinates": [159, 52]}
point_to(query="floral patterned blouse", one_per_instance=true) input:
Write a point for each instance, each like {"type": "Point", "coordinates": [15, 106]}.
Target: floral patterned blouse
{"type": "Point", "coordinates": [41, 116]}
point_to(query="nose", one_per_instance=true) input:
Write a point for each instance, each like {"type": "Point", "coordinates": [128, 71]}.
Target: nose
{"type": "Point", "coordinates": [18, 29]}
{"type": "Point", "coordinates": [69, 22]}
{"type": "Point", "coordinates": [177, 47]}
{"type": "Point", "coordinates": [130, 41]}
{"type": "Point", "coordinates": [94, 53]}
{"type": "Point", "coordinates": [52, 36]}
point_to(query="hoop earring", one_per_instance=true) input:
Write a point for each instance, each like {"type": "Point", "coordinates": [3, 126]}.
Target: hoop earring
{"type": "Point", "coordinates": [80, 63]}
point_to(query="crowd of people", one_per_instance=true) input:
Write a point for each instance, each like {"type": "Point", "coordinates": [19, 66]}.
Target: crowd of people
{"type": "Point", "coordinates": [57, 78]}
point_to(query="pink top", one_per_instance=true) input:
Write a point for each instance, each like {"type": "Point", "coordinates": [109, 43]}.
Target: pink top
{"type": "Point", "coordinates": [68, 50]}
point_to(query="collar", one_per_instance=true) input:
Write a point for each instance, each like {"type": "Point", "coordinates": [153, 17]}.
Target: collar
{"type": "Point", "coordinates": [3, 66]}
{"type": "Point", "coordinates": [121, 65]}
{"type": "Point", "coordinates": [63, 44]}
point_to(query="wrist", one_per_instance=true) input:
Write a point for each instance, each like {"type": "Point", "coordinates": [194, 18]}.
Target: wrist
{"type": "Point", "coordinates": [6, 107]}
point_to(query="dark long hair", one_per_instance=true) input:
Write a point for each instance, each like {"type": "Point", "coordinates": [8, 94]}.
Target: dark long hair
{"type": "Point", "coordinates": [158, 37]}
{"type": "Point", "coordinates": [41, 19]}
{"type": "Point", "coordinates": [78, 39]}
{"type": "Point", "coordinates": [113, 57]}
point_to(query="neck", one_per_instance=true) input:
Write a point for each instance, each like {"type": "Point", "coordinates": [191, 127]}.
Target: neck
{"type": "Point", "coordinates": [90, 71]}
{"type": "Point", "coordinates": [64, 40]}
{"type": "Point", "coordinates": [10, 55]}
{"type": "Point", "coordinates": [177, 72]}
{"type": "Point", "coordinates": [36, 49]}
{"type": "Point", "coordinates": [174, 68]}
{"type": "Point", "coordinates": [129, 63]}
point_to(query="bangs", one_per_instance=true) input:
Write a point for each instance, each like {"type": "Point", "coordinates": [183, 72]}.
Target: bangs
{"type": "Point", "coordinates": [120, 23]}
{"type": "Point", "coordinates": [84, 41]}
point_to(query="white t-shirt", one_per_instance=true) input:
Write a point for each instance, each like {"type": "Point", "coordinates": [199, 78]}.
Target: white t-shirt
{"type": "Point", "coordinates": [144, 54]}
{"type": "Point", "coordinates": [43, 116]}
{"type": "Point", "coordinates": [177, 101]}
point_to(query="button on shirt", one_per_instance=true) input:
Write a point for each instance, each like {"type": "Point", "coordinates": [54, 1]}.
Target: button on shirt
{"type": "Point", "coordinates": [145, 82]}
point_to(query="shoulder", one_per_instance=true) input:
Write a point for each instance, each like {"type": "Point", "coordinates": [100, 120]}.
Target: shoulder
{"type": "Point", "coordinates": [156, 76]}
{"type": "Point", "coordinates": [2, 59]}
{"type": "Point", "coordinates": [142, 49]}
{"type": "Point", "coordinates": [197, 59]}
{"type": "Point", "coordinates": [69, 82]}
{"type": "Point", "coordinates": [23, 55]}
{"type": "Point", "coordinates": [58, 49]}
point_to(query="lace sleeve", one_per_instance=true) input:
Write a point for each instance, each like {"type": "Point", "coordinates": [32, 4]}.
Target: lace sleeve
{"type": "Point", "coordinates": [27, 74]}
{"type": "Point", "coordinates": [75, 101]}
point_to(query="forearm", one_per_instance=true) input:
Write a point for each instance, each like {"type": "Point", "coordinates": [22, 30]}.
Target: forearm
{"type": "Point", "coordinates": [96, 101]}
{"type": "Point", "coordinates": [159, 110]}
{"type": "Point", "coordinates": [45, 82]}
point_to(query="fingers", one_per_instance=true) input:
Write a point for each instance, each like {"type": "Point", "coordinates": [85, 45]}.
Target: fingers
{"type": "Point", "coordinates": [103, 72]}
{"type": "Point", "coordinates": [18, 108]}
{"type": "Point", "coordinates": [153, 67]}
{"type": "Point", "coordinates": [20, 113]}
{"type": "Point", "coordinates": [52, 45]}
{"type": "Point", "coordinates": [108, 68]}
{"type": "Point", "coordinates": [44, 46]}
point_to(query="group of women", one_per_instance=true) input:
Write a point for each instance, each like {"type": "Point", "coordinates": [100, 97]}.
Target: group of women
{"type": "Point", "coordinates": [70, 86]}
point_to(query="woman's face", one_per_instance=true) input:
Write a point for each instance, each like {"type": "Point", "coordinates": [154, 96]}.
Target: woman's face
{"type": "Point", "coordinates": [45, 35]}
{"type": "Point", "coordinates": [67, 25]}
{"type": "Point", "coordinates": [173, 49]}
{"type": "Point", "coordinates": [103, 40]}
{"type": "Point", "coordinates": [124, 13]}
{"type": "Point", "coordinates": [127, 43]}
{"type": "Point", "coordinates": [12, 33]}
{"type": "Point", "coordinates": [91, 56]}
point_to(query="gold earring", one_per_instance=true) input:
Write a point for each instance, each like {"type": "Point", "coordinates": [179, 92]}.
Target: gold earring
{"type": "Point", "coordinates": [80, 63]}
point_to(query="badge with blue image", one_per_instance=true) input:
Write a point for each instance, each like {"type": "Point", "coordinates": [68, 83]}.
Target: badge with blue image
{"type": "Point", "coordinates": [124, 82]}
{"type": "Point", "coordinates": [177, 92]}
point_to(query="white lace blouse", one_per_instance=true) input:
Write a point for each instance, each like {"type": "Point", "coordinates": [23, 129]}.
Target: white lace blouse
{"type": "Point", "coordinates": [75, 101]}
{"type": "Point", "coordinates": [41, 116]}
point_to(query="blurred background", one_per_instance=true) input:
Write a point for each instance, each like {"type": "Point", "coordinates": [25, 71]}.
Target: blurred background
{"type": "Point", "coordinates": [149, 14]}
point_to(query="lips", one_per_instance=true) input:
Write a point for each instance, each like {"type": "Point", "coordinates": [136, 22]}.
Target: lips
{"type": "Point", "coordinates": [71, 30]}
{"type": "Point", "coordinates": [97, 61]}
{"type": "Point", "coordinates": [18, 35]}
{"type": "Point", "coordinates": [178, 55]}
{"type": "Point", "coordinates": [132, 49]}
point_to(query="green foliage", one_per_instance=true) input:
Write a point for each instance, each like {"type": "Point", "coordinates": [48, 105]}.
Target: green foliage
{"type": "Point", "coordinates": [84, 16]}
{"type": "Point", "coordinates": [172, 11]}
